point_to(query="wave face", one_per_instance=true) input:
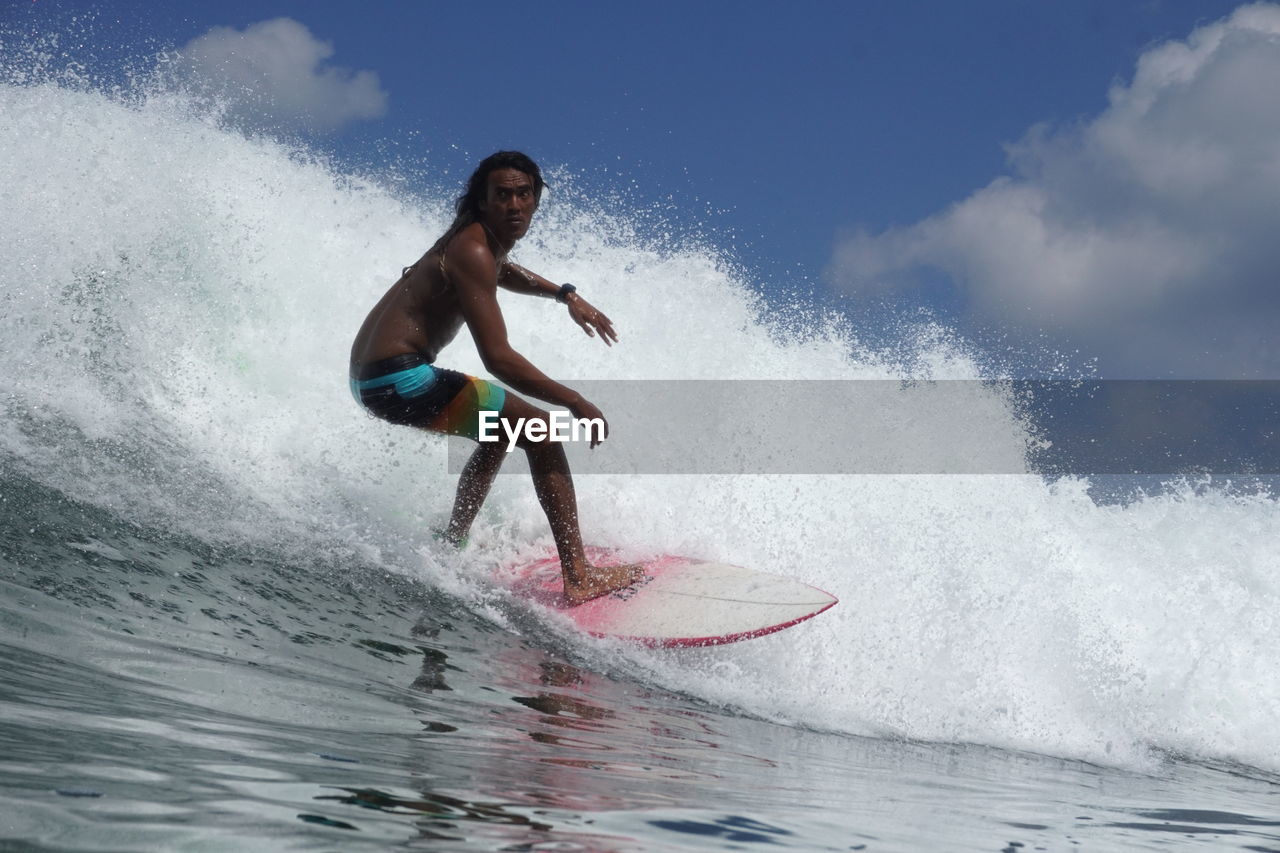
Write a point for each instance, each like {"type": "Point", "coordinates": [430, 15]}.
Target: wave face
{"type": "Point", "coordinates": [176, 304]}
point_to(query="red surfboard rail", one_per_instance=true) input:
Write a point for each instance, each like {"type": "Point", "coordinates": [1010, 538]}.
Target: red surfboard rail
{"type": "Point", "coordinates": [681, 602]}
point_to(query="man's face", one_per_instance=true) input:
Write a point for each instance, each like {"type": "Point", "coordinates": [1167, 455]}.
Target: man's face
{"type": "Point", "coordinates": [509, 203]}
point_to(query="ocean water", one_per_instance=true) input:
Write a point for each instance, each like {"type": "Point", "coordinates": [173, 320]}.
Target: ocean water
{"type": "Point", "coordinates": [225, 625]}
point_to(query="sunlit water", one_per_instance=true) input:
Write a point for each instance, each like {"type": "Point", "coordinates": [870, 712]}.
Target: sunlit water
{"type": "Point", "coordinates": [225, 625]}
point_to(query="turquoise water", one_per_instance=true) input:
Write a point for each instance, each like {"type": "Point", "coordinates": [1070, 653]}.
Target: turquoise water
{"type": "Point", "coordinates": [225, 624]}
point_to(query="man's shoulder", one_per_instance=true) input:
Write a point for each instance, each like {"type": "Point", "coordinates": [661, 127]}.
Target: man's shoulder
{"type": "Point", "coordinates": [469, 247]}
{"type": "Point", "coordinates": [469, 237]}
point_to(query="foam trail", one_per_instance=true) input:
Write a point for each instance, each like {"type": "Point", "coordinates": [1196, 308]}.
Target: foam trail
{"type": "Point", "coordinates": [177, 304]}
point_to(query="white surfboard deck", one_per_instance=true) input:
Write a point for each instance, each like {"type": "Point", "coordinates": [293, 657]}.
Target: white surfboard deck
{"type": "Point", "coordinates": [679, 602]}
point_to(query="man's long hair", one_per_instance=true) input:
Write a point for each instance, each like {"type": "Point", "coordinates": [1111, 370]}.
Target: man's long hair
{"type": "Point", "coordinates": [468, 204]}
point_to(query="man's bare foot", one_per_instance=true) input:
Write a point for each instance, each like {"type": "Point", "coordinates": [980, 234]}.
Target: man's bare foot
{"type": "Point", "coordinates": [602, 580]}
{"type": "Point", "coordinates": [457, 541]}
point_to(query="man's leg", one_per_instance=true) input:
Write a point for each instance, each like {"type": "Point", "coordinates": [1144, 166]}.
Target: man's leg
{"type": "Point", "coordinates": [553, 484]}
{"type": "Point", "coordinates": [473, 487]}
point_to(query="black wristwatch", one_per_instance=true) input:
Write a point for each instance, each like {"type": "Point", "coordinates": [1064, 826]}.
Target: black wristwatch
{"type": "Point", "coordinates": [565, 290]}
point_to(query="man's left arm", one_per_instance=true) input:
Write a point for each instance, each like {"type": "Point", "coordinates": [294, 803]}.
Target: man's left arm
{"type": "Point", "coordinates": [516, 278]}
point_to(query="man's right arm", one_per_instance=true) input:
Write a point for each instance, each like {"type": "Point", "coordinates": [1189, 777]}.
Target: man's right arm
{"type": "Point", "coordinates": [474, 273]}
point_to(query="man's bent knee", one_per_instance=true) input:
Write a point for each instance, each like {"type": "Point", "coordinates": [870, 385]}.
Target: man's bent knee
{"type": "Point", "coordinates": [519, 424]}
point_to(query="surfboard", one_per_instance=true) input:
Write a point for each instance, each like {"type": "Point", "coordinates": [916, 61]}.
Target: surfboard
{"type": "Point", "coordinates": [680, 602]}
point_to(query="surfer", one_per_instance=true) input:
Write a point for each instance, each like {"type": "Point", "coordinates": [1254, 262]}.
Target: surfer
{"type": "Point", "coordinates": [393, 372]}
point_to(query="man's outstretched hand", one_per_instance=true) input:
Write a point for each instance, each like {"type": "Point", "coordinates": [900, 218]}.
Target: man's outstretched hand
{"type": "Point", "coordinates": [591, 319]}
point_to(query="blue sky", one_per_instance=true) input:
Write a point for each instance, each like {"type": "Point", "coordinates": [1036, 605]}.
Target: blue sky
{"type": "Point", "coordinates": [1002, 163]}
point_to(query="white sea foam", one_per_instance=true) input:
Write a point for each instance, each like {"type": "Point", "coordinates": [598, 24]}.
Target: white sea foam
{"type": "Point", "coordinates": [176, 305]}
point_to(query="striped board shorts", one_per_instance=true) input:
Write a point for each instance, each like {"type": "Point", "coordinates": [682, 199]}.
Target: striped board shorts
{"type": "Point", "coordinates": [406, 389]}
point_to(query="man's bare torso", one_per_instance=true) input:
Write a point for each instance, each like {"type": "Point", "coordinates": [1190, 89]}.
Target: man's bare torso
{"type": "Point", "coordinates": [419, 314]}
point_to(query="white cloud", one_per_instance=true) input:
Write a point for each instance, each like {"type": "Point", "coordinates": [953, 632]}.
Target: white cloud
{"type": "Point", "coordinates": [275, 74]}
{"type": "Point", "coordinates": [1148, 236]}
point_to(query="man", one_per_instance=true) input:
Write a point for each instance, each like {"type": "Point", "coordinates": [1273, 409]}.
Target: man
{"type": "Point", "coordinates": [456, 282]}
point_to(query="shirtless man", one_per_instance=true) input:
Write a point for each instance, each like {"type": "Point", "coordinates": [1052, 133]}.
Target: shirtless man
{"type": "Point", "coordinates": [456, 282]}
